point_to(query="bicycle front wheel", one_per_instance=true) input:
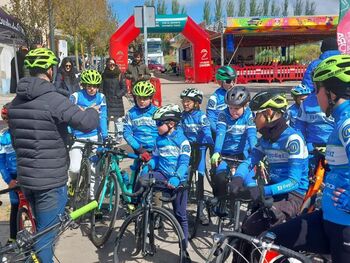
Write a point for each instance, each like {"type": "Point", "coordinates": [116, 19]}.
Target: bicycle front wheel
{"type": "Point", "coordinates": [82, 187]}
{"type": "Point", "coordinates": [164, 244]}
{"type": "Point", "coordinates": [103, 218]}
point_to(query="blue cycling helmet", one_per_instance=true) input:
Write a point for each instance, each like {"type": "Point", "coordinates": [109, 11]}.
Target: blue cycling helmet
{"type": "Point", "coordinates": [300, 90]}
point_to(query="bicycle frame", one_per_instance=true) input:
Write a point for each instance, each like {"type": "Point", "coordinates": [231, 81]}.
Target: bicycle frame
{"type": "Point", "coordinates": [23, 202]}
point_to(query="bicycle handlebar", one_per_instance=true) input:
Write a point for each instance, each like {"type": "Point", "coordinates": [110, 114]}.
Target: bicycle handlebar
{"type": "Point", "coordinates": [83, 210]}
{"type": "Point", "coordinates": [261, 243]}
{"type": "Point", "coordinates": [225, 158]}
{"type": "Point", "coordinates": [87, 141]}
{"type": "Point", "coordinates": [4, 191]}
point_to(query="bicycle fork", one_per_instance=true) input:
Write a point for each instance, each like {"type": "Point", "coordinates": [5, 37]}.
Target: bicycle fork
{"type": "Point", "coordinates": [148, 228]}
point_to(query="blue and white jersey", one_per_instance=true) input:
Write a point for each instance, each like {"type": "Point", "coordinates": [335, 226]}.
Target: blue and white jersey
{"type": "Point", "coordinates": [216, 103]}
{"type": "Point", "coordinates": [313, 122]}
{"type": "Point", "coordinates": [196, 127]}
{"type": "Point", "coordinates": [8, 162]}
{"type": "Point", "coordinates": [140, 130]}
{"type": "Point", "coordinates": [288, 163]}
{"type": "Point", "coordinates": [84, 100]}
{"type": "Point", "coordinates": [338, 159]}
{"type": "Point", "coordinates": [171, 155]}
{"type": "Point", "coordinates": [292, 114]}
{"type": "Point", "coordinates": [232, 136]}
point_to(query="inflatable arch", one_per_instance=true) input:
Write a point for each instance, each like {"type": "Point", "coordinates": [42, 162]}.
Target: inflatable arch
{"type": "Point", "coordinates": [199, 39]}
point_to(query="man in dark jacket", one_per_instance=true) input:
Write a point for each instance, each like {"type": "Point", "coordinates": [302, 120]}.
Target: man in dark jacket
{"type": "Point", "coordinates": [38, 119]}
{"type": "Point", "coordinates": [137, 70]}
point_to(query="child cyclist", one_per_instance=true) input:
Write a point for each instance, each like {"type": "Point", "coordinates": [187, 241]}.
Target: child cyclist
{"type": "Point", "coordinates": [287, 156]}
{"type": "Point", "coordinates": [8, 170]}
{"type": "Point", "coordinates": [327, 231]}
{"type": "Point", "coordinates": [196, 127]}
{"type": "Point", "coordinates": [88, 97]}
{"type": "Point", "coordinates": [226, 77]}
{"type": "Point", "coordinates": [299, 94]}
{"type": "Point", "coordinates": [235, 130]}
{"type": "Point", "coordinates": [171, 158]}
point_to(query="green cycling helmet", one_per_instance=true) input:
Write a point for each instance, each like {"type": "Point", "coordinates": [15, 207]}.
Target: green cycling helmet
{"type": "Point", "coordinates": [40, 58]}
{"type": "Point", "coordinates": [333, 67]}
{"type": "Point", "coordinates": [143, 89]}
{"type": "Point", "coordinates": [265, 99]}
{"type": "Point", "coordinates": [226, 73]}
{"type": "Point", "coordinates": [91, 77]}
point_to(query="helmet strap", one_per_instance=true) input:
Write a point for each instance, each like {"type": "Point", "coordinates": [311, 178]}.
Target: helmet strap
{"type": "Point", "coordinates": [331, 103]}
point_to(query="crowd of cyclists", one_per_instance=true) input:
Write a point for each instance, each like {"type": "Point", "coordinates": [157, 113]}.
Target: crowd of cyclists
{"type": "Point", "coordinates": [40, 119]}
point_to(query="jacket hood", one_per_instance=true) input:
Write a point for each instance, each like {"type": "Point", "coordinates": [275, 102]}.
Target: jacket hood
{"type": "Point", "coordinates": [31, 87]}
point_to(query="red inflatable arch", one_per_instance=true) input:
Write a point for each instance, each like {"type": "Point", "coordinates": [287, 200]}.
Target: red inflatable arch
{"type": "Point", "coordinates": [121, 39]}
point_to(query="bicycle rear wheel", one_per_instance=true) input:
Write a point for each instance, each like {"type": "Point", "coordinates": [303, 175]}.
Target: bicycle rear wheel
{"type": "Point", "coordinates": [82, 186]}
{"type": "Point", "coordinates": [25, 221]}
{"type": "Point", "coordinates": [165, 244]}
{"type": "Point", "coordinates": [192, 205]}
{"type": "Point", "coordinates": [103, 218]}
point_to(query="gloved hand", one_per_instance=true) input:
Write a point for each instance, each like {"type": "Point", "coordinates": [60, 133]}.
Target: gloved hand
{"type": "Point", "coordinates": [173, 182]}
{"type": "Point", "coordinates": [146, 156]}
{"type": "Point", "coordinates": [141, 150]}
{"type": "Point", "coordinates": [341, 198]}
{"type": "Point", "coordinates": [254, 192]}
{"type": "Point", "coordinates": [215, 159]}
{"type": "Point", "coordinates": [235, 185]}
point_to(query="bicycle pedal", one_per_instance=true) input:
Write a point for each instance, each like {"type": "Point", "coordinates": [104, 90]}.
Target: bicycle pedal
{"type": "Point", "coordinates": [131, 208]}
{"type": "Point", "coordinates": [74, 225]}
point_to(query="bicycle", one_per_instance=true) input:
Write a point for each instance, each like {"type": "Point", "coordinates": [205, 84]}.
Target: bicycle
{"type": "Point", "coordinates": [261, 246]}
{"type": "Point", "coordinates": [137, 235]}
{"type": "Point", "coordinates": [107, 195]}
{"type": "Point", "coordinates": [22, 249]}
{"type": "Point", "coordinates": [80, 191]}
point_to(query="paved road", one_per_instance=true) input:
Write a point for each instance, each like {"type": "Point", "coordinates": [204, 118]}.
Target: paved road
{"type": "Point", "coordinates": [74, 245]}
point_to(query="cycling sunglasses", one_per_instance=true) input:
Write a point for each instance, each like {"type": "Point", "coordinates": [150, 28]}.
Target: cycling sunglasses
{"type": "Point", "coordinates": [160, 123]}
{"type": "Point", "coordinates": [228, 81]}
{"type": "Point", "coordinates": [255, 113]}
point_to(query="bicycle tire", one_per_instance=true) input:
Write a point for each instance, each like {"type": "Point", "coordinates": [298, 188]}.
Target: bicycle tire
{"type": "Point", "coordinates": [82, 186]}
{"type": "Point", "coordinates": [136, 218]}
{"type": "Point", "coordinates": [192, 205]}
{"type": "Point", "coordinates": [110, 186]}
{"type": "Point", "coordinates": [25, 220]}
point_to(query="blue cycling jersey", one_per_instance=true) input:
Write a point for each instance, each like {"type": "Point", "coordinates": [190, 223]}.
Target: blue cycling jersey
{"type": "Point", "coordinates": [292, 113]}
{"type": "Point", "coordinates": [84, 100]}
{"type": "Point", "coordinates": [338, 159]}
{"type": "Point", "coordinates": [288, 163]}
{"type": "Point", "coordinates": [216, 103]}
{"type": "Point", "coordinates": [171, 155]}
{"type": "Point", "coordinates": [232, 136]}
{"type": "Point", "coordinates": [313, 123]}
{"type": "Point", "coordinates": [8, 163]}
{"type": "Point", "coordinates": [140, 130]}
{"type": "Point", "coordinates": [196, 127]}
{"type": "Point", "coordinates": [307, 79]}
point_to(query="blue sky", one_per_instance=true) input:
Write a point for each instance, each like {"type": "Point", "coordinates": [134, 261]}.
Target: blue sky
{"type": "Point", "coordinates": [124, 8]}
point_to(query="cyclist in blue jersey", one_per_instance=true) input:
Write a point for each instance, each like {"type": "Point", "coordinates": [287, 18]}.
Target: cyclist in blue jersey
{"type": "Point", "coordinates": [287, 156]}
{"type": "Point", "coordinates": [171, 158]}
{"type": "Point", "coordinates": [8, 170]}
{"type": "Point", "coordinates": [327, 231]}
{"type": "Point", "coordinates": [88, 97]}
{"type": "Point", "coordinates": [299, 94]}
{"type": "Point", "coordinates": [226, 77]}
{"type": "Point", "coordinates": [196, 127]}
{"type": "Point", "coordinates": [311, 121]}
{"type": "Point", "coordinates": [140, 130]}
{"type": "Point", "coordinates": [235, 130]}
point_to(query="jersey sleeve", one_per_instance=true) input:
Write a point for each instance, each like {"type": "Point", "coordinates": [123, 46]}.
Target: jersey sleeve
{"type": "Point", "coordinates": [211, 111]}
{"type": "Point", "coordinates": [245, 168]}
{"type": "Point", "coordinates": [251, 132]}
{"type": "Point", "coordinates": [221, 128]}
{"type": "Point", "coordinates": [344, 136]}
{"type": "Point", "coordinates": [184, 159]}
{"type": "Point", "coordinates": [103, 117]}
{"type": "Point", "coordinates": [205, 127]}
{"type": "Point", "coordinates": [128, 133]}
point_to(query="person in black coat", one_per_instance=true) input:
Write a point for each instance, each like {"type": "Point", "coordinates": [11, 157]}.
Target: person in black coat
{"type": "Point", "coordinates": [114, 88]}
{"type": "Point", "coordinates": [38, 121]}
{"type": "Point", "coordinates": [21, 53]}
{"type": "Point", "coordinates": [67, 80]}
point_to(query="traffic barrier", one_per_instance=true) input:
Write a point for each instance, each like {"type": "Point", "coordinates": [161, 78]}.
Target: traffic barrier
{"type": "Point", "coordinates": [289, 72]}
{"type": "Point", "coordinates": [189, 74]}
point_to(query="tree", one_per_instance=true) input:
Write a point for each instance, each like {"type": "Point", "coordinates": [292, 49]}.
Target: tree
{"type": "Point", "coordinates": [242, 8]}
{"type": "Point", "coordinates": [175, 7]}
{"type": "Point", "coordinates": [149, 3]}
{"type": "Point", "coordinates": [285, 8]}
{"type": "Point", "coordinates": [275, 10]}
{"type": "Point", "coordinates": [32, 17]}
{"type": "Point", "coordinates": [218, 10]}
{"type": "Point", "coordinates": [298, 7]}
{"type": "Point", "coordinates": [206, 12]}
{"type": "Point", "coordinates": [183, 10]}
{"type": "Point", "coordinates": [310, 8]}
{"type": "Point", "coordinates": [253, 8]}
{"type": "Point", "coordinates": [161, 7]}
{"type": "Point", "coordinates": [265, 7]}
{"type": "Point", "coordinates": [230, 8]}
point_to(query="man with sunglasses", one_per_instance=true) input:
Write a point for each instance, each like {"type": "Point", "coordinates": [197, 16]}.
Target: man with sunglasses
{"type": "Point", "coordinates": [226, 77]}
{"type": "Point", "coordinates": [287, 156]}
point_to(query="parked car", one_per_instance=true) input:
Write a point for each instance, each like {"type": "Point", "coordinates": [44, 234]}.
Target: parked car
{"type": "Point", "coordinates": [156, 66]}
